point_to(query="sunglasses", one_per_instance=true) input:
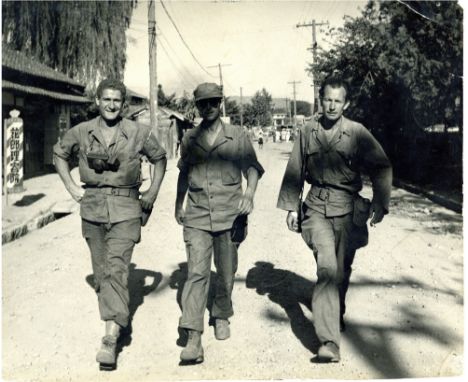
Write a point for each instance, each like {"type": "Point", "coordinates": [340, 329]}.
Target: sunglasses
{"type": "Point", "coordinates": [213, 102]}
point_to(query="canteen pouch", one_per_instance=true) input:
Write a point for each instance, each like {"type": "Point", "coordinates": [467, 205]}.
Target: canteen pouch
{"type": "Point", "coordinates": [145, 215]}
{"type": "Point", "coordinates": [361, 211]}
{"type": "Point", "coordinates": [239, 229]}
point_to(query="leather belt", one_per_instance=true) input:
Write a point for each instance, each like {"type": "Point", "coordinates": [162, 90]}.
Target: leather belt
{"type": "Point", "coordinates": [321, 193]}
{"type": "Point", "coordinates": [325, 193]}
{"type": "Point", "coordinates": [129, 192]}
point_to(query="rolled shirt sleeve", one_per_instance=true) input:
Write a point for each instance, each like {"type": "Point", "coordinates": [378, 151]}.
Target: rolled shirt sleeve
{"type": "Point", "coordinates": [249, 157]}
{"type": "Point", "coordinates": [377, 165]}
{"type": "Point", "coordinates": [152, 148]}
{"type": "Point", "coordinates": [68, 145]}
{"type": "Point", "coordinates": [293, 179]}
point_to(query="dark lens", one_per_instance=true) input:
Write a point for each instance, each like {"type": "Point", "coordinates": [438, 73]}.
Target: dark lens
{"type": "Point", "coordinates": [213, 102]}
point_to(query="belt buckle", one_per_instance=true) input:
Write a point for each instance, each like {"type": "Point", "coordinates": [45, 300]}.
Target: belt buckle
{"type": "Point", "coordinates": [114, 191]}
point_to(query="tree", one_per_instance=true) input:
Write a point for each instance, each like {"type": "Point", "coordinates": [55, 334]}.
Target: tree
{"type": "Point", "coordinates": [232, 111]}
{"type": "Point", "coordinates": [83, 39]}
{"type": "Point", "coordinates": [404, 68]}
{"type": "Point", "coordinates": [164, 100]}
{"type": "Point", "coordinates": [260, 112]}
{"type": "Point", "coordinates": [302, 108]}
{"type": "Point", "coordinates": [404, 61]}
{"type": "Point", "coordinates": [186, 106]}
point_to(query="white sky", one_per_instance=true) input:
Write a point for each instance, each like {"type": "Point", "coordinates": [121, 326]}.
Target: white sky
{"type": "Point", "coordinates": [258, 41]}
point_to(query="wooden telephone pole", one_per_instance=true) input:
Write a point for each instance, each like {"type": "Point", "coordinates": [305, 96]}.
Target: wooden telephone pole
{"type": "Point", "coordinates": [315, 83]}
{"type": "Point", "coordinates": [294, 94]}
{"type": "Point", "coordinates": [221, 83]}
{"type": "Point", "coordinates": [153, 75]}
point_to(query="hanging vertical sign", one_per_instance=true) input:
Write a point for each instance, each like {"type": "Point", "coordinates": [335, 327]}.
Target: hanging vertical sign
{"type": "Point", "coordinates": [14, 152]}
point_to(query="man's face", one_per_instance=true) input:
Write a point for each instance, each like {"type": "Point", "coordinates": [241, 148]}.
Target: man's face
{"type": "Point", "coordinates": [110, 104]}
{"type": "Point", "coordinates": [209, 108]}
{"type": "Point", "coordinates": [334, 102]}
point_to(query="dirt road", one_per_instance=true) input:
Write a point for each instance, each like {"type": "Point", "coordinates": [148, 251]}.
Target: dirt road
{"type": "Point", "coordinates": [405, 304]}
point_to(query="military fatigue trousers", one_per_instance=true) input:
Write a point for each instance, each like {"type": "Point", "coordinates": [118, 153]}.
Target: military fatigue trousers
{"type": "Point", "coordinates": [200, 246]}
{"type": "Point", "coordinates": [330, 238]}
{"type": "Point", "coordinates": [111, 247]}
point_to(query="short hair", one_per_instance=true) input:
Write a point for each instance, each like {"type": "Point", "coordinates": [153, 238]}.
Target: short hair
{"type": "Point", "coordinates": [111, 83]}
{"type": "Point", "coordinates": [334, 82]}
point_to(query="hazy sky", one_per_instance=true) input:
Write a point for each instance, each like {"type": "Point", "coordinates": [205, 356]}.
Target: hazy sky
{"type": "Point", "coordinates": [257, 41]}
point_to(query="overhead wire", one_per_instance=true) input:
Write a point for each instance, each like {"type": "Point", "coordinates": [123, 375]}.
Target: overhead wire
{"type": "Point", "coordinates": [184, 78]}
{"type": "Point", "coordinates": [183, 40]}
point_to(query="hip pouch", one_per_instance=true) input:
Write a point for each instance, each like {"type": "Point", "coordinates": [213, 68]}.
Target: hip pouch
{"type": "Point", "coordinates": [239, 229]}
{"type": "Point", "coordinates": [361, 211]}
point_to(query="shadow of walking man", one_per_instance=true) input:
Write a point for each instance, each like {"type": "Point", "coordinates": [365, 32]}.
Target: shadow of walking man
{"type": "Point", "coordinates": [288, 290]}
{"type": "Point", "coordinates": [138, 289]}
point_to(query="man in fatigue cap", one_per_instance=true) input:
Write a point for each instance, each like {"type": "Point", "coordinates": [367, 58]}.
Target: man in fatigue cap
{"type": "Point", "coordinates": [110, 149]}
{"type": "Point", "coordinates": [214, 155]}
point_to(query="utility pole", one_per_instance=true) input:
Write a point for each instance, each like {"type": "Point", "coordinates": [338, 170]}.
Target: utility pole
{"type": "Point", "coordinates": [295, 109]}
{"type": "Point", "coordinates": [288, 108]}
{"type": "Point", "coordinates": [221, 83]}
{"type": "Point", "coordinates": [315, 83]}
{"type": "Point", "coordinates": [241, 110]}
{"type": "Point", "coordinates": [152, 45]}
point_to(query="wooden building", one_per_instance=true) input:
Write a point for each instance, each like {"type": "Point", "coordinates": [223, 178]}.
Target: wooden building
{"type": "Point", "coordinates": [44, 98]}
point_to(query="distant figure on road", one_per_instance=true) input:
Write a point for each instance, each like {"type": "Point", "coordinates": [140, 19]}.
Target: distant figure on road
{"type": "Point", "coordinates": [110, 149]}
{"type": "Point", "coordinates": [214, 155]}
{"type": "Point", "coordinates": [329, 154]}
{"type": "Point", "coordinates": [260, 140]}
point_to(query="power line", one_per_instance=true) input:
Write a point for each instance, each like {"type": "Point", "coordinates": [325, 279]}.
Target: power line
{"type": "Point", "coordinates": [184, 78]}
{"type": "Point", "coordinates": [180, 35]}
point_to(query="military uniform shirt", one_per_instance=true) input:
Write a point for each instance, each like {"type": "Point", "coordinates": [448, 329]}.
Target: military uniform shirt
{"type": "Point", "coordinates": [215, 176]}
{"type": "Point", "coordinates": [334, 169]}
{"type": "Point", "coordinates": [129, 144]}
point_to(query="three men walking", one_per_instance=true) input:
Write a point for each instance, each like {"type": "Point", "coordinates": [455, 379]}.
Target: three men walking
{"type": "Point", "coordinates": [330, 154]}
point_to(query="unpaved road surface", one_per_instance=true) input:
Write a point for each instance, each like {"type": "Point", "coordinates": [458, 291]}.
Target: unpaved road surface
{"type": "Point", "coordinates": [405, 304]}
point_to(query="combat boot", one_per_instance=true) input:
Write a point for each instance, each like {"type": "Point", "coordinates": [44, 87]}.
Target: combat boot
{"type": "Point", "coordinates": [193, 352]}
{"type": "Point", "coordinates": [106, 355]}
{"type": "Point", "coordinates": [329, 352]}
{"type": "Point", "coordinates": [222, 330]}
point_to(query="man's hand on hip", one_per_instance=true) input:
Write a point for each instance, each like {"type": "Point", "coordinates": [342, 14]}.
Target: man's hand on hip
{"type": "Point", "coordinates": [76, 192]}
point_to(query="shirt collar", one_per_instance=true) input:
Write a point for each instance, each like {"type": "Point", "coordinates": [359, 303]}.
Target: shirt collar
{"type": "Point", "coordinates": [94, 127]}
{"type": "Point", "coordinates": [343, 126]}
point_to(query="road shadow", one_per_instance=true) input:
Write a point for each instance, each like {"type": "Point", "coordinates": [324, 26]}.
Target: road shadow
{"type": "Point", "coordinates": [137, 289]}
{"type": "Point", "coordinates": [27, 200]}
{"type": "Point", "coordinates": [421, 209]}
{"type": "Point", "coordinates": [177, 281]}
{"type": "Point", "coordinates": [288, 290]}
{"type": "Point", "coordinates": [376, 342]}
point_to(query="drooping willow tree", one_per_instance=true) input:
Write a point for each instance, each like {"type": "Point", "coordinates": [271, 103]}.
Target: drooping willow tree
{"type": "Point", "coordinates": [83, 39]}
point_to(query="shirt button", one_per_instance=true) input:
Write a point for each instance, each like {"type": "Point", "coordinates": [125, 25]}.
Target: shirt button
{"type": "Point", "coordinates": [210, 184]}
{"type": "Point", "coordinates": [211, 196]}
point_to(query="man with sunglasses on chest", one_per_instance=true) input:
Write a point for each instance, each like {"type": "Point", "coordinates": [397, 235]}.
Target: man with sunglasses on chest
{"type": "Point", "coordinates": [330, 153]}
{"type": "Point", "coordinates": [214, 156]}
{"type": "Point", "coordinates": [109, 150]}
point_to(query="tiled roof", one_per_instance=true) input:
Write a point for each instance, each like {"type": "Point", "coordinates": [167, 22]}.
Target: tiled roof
{"type": "Point", "coordinates": [44, 92]}
{"type": "Point", "coordinates": [17, 60]}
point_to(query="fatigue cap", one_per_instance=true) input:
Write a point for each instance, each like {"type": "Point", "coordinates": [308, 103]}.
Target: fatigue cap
{"type": "Point", "coordinates": [208, 90]}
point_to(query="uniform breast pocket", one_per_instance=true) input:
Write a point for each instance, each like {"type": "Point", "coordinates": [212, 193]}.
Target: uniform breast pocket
{"type": "Point", "coordinates": [229, 151]}
{"type": "Point", "coordinates": [347, 166]}
{"type": "Point", "coordinates": [313, 161]}
{"type": "Point", "coordinates": [230, 175]}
